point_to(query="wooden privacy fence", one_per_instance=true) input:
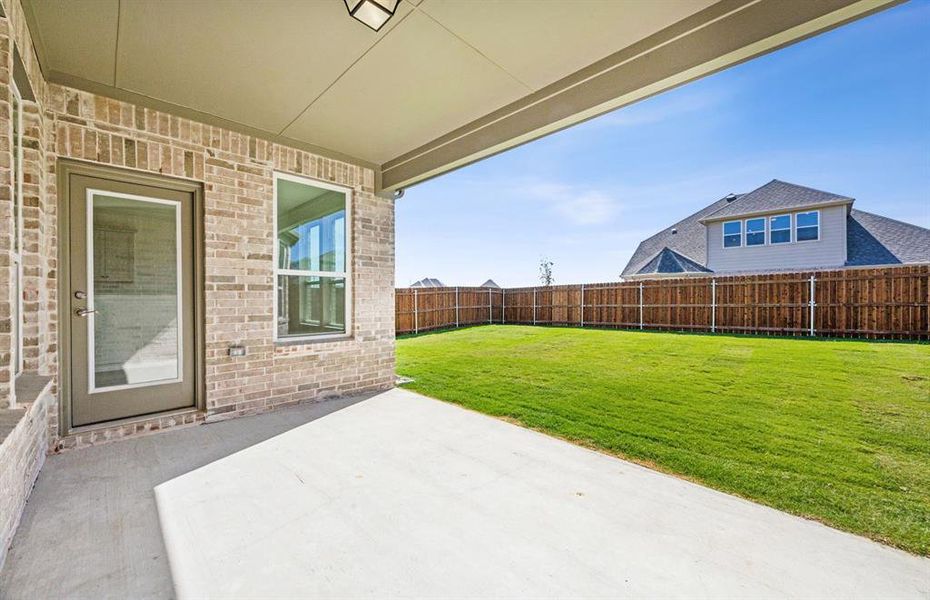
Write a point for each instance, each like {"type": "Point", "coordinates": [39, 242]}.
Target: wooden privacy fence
{"type": "Point", "coordinates": [889, 302]}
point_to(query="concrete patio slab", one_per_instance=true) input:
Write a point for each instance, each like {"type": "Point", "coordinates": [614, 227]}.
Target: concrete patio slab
{"type": "Point", "coordinates": [401, 495]}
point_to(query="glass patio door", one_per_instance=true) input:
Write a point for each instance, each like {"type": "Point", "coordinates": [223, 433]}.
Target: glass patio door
{"type": "Point", "coordinates": [131, 300]}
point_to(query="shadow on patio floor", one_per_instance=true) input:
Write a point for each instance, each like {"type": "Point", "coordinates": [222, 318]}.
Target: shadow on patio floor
{"type": "Point", "coordinates": [91, 528]}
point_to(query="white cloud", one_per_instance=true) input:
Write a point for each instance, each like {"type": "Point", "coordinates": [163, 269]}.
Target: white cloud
{"type": "Point", "coordinates": [580, 206]}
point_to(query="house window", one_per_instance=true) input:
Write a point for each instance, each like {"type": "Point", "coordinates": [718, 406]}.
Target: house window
{"type": "Point", "coordinates": [807, 226]}
{"type": "Point", "coordinates": [755, 232]}
{"type": "Point", "coordinates": [733, 234]}
{"type": "Point", "coordinates": [780, 229]}
{"type": "Point", "coordinates": [313, 258]}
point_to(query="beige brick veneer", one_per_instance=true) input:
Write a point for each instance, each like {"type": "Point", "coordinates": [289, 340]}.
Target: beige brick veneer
{"type": "Point", "coordinates": [236, 171]}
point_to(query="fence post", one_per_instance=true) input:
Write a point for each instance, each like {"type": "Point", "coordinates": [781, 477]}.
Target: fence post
{"type": "Point", "coordinates": [503, 305]}
{"type": "Point", "coordinates": [416, 313]}
{"type": "Point", "coordinates": [713, 305]}
{"type": "Point", "coordinates": [490, 309]}
{"type": "Point", "coordinates": [813, 289]}
{"type": "Point", "coordinates": [534, 306]}
{"type": "Point", "coordinates": [582, 305]}
{"type": "Point", "coordinates": [456, 306]}
{"type": "Point", "coordinates": [640, 305]}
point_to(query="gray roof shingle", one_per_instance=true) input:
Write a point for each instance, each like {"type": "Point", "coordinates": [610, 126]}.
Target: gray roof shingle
{"type": "Point", "coordinates": [669, 261]}
{"type": "Point", "coordinates": [776, 195]}
{"type": "Point", "coordinates": [689, 240]}
{"type": "Point", "coordinates": [877, 240]}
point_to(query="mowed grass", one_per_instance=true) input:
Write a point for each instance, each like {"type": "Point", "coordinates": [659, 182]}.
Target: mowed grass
{"type": "Point", "coordinates": [838, 431]}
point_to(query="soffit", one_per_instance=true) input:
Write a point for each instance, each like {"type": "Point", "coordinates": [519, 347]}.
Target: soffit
{"type": "Point", "coordinates": [308, 72]}
{"type": "Point", "coordinates": [541, 42]}
{"type": "Point", "coordinates": [444, 83]}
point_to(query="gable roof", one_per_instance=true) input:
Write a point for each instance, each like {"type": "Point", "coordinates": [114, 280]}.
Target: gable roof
{"type": "Point", "coordinates": [669, 261]}
{"type": "Point", "coordinates": [689, 239]}
{"type": "Point", "coordinates": [490, 283]}
{"type": "Point", "coordinates": [774, 196]}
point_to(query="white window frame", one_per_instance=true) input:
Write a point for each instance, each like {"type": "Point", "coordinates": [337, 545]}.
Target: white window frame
{"type": "Point", "coordinates": [17, 254]}
{"type": "Point", "coordinates": [347, 274]}
{"type": "Point", "coordinates": [723, 234]}
{"type": "Point", "coordinates": [797, 239]}
{"type": "Point", "coordinates": [765, 229]}
{"type": "Point", "coordinates": [790, 229]}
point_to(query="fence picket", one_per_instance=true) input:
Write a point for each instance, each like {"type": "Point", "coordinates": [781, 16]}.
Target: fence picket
{"type": "Point", "coordinates": [875, 303]}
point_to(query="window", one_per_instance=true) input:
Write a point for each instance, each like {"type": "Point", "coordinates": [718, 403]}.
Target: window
{"type": "Point", "coordinates": [755, 232]}
{"type": "Point", "coordinates": [313, 254]}
{"type": "Point", "coordinates": [807, 226]}
{"type": "Point", "coordinates": [733, 234]}
{"type": "Point", "coordinates": [780, 229]}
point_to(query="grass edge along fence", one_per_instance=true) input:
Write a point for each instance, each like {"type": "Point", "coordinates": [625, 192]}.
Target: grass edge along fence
{"type": "Point", "coordinates": [878, 303]}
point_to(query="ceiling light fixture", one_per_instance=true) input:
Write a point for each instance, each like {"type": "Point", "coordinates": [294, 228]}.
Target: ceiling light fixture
{"type": "Point", "coordinates": [373, 13]}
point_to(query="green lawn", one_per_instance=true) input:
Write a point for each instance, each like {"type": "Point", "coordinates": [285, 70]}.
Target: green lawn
{"type": "Point", "coordinates": [834, 430]}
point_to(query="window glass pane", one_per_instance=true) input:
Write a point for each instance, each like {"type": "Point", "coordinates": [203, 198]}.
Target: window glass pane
{"type": "Point", "coordinates": [781, 236]}
{"type": "Point", "coordinates": [755, 225]}
{"type": "Point", "coordinates": [807, 219]}
{"type": "Point", "coordinates": [780, 222]}
{"type": "Point", "coordinates": [755, 239]}
{"type": "Point", "coordinates": [731, 241]}
{"type": "Point", "coordinates": [732, 227]}
{"type": "Point", "coordinates": [311, 227]}
{"type": "Point", "coordinates": [755, 232]}
{"type": "Point", "coordinates": [807, 233]}
{"type": "Point", "coordinates": [310, 305]}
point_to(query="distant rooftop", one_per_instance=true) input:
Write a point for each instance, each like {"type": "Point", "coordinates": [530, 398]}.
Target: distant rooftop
{"type": "Point", "coordinates": [429, 282]}
{"type": "Point", "coordinates": [775, 195]}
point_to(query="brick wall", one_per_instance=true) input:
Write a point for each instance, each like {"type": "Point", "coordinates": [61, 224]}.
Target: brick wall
{"type": "Point", "coordinates": [236, 172]}
{"type": "Point", "coordinates": [22, 453]}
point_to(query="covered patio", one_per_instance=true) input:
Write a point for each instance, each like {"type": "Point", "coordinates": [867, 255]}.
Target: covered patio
{"type": "Point", "coordinates": [403, 496]}
{"type": "Point", "coordinates": [197, 202]}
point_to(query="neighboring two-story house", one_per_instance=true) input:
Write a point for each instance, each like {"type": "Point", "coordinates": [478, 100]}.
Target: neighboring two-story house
{"type": "Point", "coordinates": [777, 227]}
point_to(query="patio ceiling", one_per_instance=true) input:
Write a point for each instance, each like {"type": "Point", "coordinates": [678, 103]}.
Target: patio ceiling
{"type": "Point", "coordinates": [445, 82]}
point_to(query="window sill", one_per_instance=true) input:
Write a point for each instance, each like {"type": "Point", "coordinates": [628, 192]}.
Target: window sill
{"type": "Point", "coordinates": [313, 339]}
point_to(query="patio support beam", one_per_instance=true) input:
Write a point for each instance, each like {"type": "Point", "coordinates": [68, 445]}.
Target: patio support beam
{"type": "Point", "coordinates": [722, 35]}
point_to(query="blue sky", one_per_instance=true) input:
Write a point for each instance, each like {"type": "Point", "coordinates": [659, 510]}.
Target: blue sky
{"type": "Point", "coordinates": [847, 112]}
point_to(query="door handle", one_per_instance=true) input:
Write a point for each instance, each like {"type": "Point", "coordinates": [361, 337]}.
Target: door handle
{"type": "Point", "coordinates": [83, 312]}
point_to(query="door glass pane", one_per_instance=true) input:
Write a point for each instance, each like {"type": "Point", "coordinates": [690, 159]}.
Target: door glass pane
{"type": "Point", "coordinates": [310, 305]}
{"type": "Point", "coordinates": [135, 291]}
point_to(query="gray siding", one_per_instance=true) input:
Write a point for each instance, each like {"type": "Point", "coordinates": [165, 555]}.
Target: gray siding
{"type": "Point", "coordinates": [829, 251]}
